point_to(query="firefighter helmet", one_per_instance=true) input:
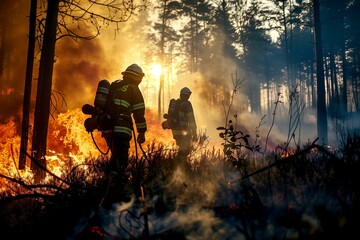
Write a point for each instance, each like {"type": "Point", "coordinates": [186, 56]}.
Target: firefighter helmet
{"type": "Point", "coordinates": [134, 72]}
{"type": "Point", "coordinates": [185, 91]}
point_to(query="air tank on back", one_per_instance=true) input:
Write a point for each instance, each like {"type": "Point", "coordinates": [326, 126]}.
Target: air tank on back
{"type": "Point", "coordinates": [102, 93]}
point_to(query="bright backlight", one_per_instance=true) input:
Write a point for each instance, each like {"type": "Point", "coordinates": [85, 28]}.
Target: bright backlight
{"type": "Point", "coordinates": [156, 70]}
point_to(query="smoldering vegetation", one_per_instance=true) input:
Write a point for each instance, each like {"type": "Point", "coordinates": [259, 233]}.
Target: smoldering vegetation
{"type": "Point", "coordinates": [305, 193]}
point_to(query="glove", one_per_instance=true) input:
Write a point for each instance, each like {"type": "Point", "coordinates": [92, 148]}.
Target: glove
{"type": "Point", "coordinates": [141, 138]}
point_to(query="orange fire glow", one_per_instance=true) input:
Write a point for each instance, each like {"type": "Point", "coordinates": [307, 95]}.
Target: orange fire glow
{"type": "Point", "coordinates": [68, 141]}
{"type": "Point", "coordinates": [6, 92]}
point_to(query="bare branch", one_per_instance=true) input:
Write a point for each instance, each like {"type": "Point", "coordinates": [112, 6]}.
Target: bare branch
{"type": "Point", "coordinates": [80, 19]}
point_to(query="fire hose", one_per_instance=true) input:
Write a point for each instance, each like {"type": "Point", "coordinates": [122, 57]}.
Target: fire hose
{"type": "Point", "coordinates": [141, 148]}
{"type": "Point", "coordinates": [97, 146]}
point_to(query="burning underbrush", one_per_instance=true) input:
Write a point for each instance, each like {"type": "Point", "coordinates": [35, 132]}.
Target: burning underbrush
{"type": "Point", "coordinates": [305, 193]}
{"type": "Point", "coordinates": [311, 194]}
{"type": "Point", "coordinates": [68, 144]}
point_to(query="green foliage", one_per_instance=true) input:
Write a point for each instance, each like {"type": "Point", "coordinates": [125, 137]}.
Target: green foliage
{"type": "Point", "coordinates": [235, 140]}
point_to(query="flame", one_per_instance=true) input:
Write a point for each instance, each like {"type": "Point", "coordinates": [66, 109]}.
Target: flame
{"type": "Point", "coordinates": [9, 139]}
{"type": "Point", "coordinates": [68, 141]}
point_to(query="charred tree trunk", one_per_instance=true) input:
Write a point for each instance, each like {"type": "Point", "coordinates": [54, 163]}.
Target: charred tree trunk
{"type": "Point", "coordinates": [43, 97]}
{"type": "Point", "coordinates": [321, 100]}
{"type": "Point", "coordinates": [27, 89]}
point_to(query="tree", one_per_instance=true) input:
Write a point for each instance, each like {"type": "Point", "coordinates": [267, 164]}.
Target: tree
{"type": "Point", "coordinates": [255, 42]}
{"type": "Point", "coordinates": [169, 11]}
{"type": "Point", "coordinates": [321, 103]}
{"type": "Point", "coordinates": [226, 29]}
{"type": "Point", "coordinates": [334, 45]}
{"type": "Point", "coordinates": [28, 82]}
{"type": "Point", "coordinates": [353, 51]}
{"type": "Point", "coordinates": [43, 96]}
{"type": "Point", "coordinates": [286, 34]}
{"type": "Point", "coordinates": [197, 33]}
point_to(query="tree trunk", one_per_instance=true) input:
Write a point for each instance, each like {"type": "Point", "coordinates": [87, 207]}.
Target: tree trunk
{"type": "Point", "coordinates": [28, 82]}
{"type": "Point", "coordinates": [43, 96]}
{"type": "Point", "coordinates": [162, 59]}
{"type": "Point", "coordinates": [286, 43]}
{"type": "Point", "coordinates": [335, 98]}
{"type": "Point", "coordinates": [344, 100]}
{"type": "Point", "coordinates": [321, 101]}
{"type": "Point", "coordinates": [312, 81]}
{"type": "Point", "coordinates": [160, 96]}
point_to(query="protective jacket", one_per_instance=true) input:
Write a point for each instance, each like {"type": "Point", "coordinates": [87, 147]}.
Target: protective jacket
{"type": "Point", "coordinates": [125, 99]}
{"type": "Point", "coordinates": [185, 124]}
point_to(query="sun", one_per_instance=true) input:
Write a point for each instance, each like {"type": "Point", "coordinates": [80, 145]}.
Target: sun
{"type": "Point", "coordinates": [155, 70]}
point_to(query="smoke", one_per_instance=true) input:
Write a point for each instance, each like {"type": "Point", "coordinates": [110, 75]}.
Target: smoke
{"type": "Point", "coordinates": [191, 222]}
{"type": "Point", "coordinates": [79, 66]}
{"type": "Point", "coordinates": [190, 203]}
{"type": "Point", "coordinates": [78, 69]}
{"type": "Point", "coordinates": [13, 45]}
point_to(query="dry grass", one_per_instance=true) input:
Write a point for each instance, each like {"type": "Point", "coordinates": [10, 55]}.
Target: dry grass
{"type": "Point", "coordinates": [311, 194]}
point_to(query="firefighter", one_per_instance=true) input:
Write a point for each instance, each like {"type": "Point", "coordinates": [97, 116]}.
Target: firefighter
{"type": "Point", "coordinates": [182, 122]}
{"type": "Point", "coordinates": [125, 101]}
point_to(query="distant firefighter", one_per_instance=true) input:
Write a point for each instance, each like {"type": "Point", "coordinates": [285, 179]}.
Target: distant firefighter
{"type": "Point", "coordinates": [181, 121]}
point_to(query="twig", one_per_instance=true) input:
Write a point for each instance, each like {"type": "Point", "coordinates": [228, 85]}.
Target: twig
{"type": "Point", "coordinates": [287, 159]}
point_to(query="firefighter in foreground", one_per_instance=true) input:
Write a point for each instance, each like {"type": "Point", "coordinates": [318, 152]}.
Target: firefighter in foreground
{"type": "Point", "coordinates": [181, 121]}
{"type": "Point", "coordinates": [119, 102]}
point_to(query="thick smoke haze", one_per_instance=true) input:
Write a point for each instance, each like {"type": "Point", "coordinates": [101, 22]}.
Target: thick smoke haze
{"type": "Point", "coordinates": [78, 69]}
{"type": "Point", "coordinates": [79, 66]}
{"type": "Point", "coordinates": [13, 44]}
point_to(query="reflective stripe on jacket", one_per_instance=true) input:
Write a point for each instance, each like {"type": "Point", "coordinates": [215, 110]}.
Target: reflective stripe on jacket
{"type": "Point", "coordinates": [128, 100]}
{"type": "Point", "coordinates": [187, 124]}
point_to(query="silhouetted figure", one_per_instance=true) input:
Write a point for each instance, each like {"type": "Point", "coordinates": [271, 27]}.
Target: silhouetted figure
{"type": "Point", "coordinates": [181, 121]}
{"type": "Point", "coordinates": [116, 104]}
